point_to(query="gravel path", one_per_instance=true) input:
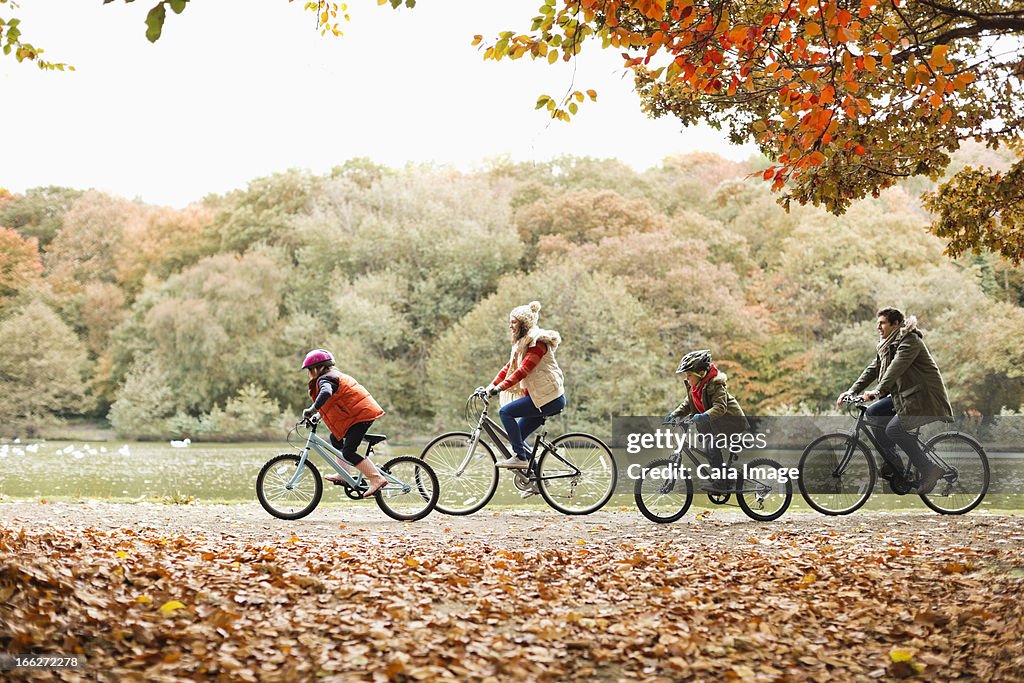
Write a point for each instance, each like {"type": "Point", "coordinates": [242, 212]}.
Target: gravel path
{"type": "Point", "coordinates": [521, 528]}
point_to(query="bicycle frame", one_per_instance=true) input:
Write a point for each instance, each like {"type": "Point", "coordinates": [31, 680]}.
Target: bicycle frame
{"type": "Point", "coordinates": [905, 468]}
{"type": "Point", "coordinates": [677, 459]}
{"type": "Point", "coordinates": [499, 438]}
{"type": "Point", "coordinates": [329, 454]}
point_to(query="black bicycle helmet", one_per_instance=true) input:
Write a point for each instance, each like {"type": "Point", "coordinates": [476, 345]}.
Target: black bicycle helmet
{"type": "Point", "coordinates": [695, 361]}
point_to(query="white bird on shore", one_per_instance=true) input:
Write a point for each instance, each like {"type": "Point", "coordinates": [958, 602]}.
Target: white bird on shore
{"type": "Point", "coordinates": [32, 448]}
{"type": "Point", "coordinates": [181, 444]}
{"type": "Point", "coordinates": [123, 450]}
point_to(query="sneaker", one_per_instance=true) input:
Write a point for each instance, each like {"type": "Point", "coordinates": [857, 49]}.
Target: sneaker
{"type": "Point", "coordinates": [515, 463]}
{"type": "Point", "coordinates": [532, 491]}
{"type": "Point", "coordinates": [929, 479]}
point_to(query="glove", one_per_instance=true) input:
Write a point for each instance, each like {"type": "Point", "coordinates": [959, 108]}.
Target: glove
{"type": "Point", "coordinates": [701, 417]}
{"type": "Point", "coordinates": [493, 390]}
{"type": "Point", "coordinates": [308, 413]}
{"type": "Point", "coordinates": [669, 419]}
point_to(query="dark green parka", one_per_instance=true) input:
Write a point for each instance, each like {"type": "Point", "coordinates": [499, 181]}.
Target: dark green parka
{"type": "Point", "coordinates": [721, 406]}
{"type": "Point", "coordinates": [911, 377]}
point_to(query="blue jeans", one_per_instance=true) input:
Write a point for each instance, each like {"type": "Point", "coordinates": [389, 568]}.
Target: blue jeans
{"type": "Point", "coordinates": [891, 432]}
{"type": "Point", "coordinates": [529, 419]}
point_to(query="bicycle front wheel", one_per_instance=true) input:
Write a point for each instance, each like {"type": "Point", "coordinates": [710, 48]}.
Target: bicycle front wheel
{"type": "Point", "coordinates": [283, 500]}
{"type": "Point", "coordinates": [468, 480]}
{"type": "Point", "coordinates": [414, 492]}
{"type": "Point", "coordinates": [761, 493]}
{"type": "Point", "coordinates": [967, 474]}
{"type": "Point", "coordinates": [664, 499]}
{"type": "Point", "coordinates": [837, 474]}
{"type": "Point", "coordinates": [577, 475]}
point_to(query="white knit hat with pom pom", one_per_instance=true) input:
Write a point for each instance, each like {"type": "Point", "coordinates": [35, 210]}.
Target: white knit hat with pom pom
{"type": "Point", "coordinates": [526, 315]}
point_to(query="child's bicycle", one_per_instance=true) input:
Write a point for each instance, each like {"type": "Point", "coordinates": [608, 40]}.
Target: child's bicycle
{"type": "Point", "coordinates": [664, 492]}
{"type": "Point", "coordinates": [575, 473]}
{"type": "Point", "coordinates": [838, 472]}
{"type": "Point", "coordinates": [289, 486]}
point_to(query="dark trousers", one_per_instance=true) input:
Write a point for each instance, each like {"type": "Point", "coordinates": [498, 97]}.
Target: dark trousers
{"type": "Point", "coordinates": [714, 453]}
{"type": "Point", "coordinates": [889, 431]}
{"type": "Point", "coordinates": [521, 418]}
{"type": "Point", "coordinates": [350, 444]}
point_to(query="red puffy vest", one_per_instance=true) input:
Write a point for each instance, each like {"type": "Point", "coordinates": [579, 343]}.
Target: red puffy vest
{"type": "Point", "coordinates": [350, 403]}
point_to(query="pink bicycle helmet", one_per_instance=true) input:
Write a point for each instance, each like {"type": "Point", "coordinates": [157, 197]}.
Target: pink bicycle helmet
{"type": "Point", "coordinates": [317, 357]}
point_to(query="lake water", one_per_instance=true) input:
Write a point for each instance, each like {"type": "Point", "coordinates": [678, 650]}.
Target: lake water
{"type": "Point", "coordinates": [60, 470]}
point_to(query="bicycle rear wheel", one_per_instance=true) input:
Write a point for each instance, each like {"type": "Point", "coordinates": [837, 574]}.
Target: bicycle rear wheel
{"type": "Point", "coordinates": [837, 474]}
{"type": "Point", "coordinates": [281, 501]}
{"type": "Point", "coordinates": [662, 500]}
{"type": "Point", "coordinates": [578, 475]}
{"type": "Point", "coordinates": [967, 474]}
{"type": "Point", "coordinates": [760, 493]}
{"type": "Point", "coordinates": [416, 493]}
{"type": "Point", "coordinates": [466, 491]}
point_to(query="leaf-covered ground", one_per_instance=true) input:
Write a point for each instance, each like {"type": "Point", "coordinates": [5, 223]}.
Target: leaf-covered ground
{"type": "Point", "coordinates": [161, 592]}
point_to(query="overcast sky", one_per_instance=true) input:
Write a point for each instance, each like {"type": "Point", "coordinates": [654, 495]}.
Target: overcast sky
{"type": "Point", "coordinates": [238, 89]}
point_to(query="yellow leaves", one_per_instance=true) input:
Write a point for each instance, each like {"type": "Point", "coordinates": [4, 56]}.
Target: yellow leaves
{"type": "Point", "coordinates": [809, 75]}
{"type": "Point", "coordinates": [904, 663]}
{"type": "Point", "coordinates": [412, 562]}
{"type": "Point", "coordinates": [812, 29]}
{"type": "Point", "coordinates": [890, 33]}
{"type": "Point", "coordinates": [143, 600]}
{"type": "Point", "coordinates": [120, 554]}
{"type": "Point", "coordinates": [171, 606]}
{"type": "Point", "coordinates": [939, 53]}
{"type": "Point", "coordinates": [910, 77]}
{"type": "Point", "coordinates": [808, 579]}
{"type": "Point", "coordinates": [870, 63]}
{"type": "Point", "coordinates": [552, 56]}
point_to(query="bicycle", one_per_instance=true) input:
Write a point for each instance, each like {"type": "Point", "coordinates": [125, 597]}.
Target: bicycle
{"type": "Point", "coordinates": [574, 473]}
{"type": "Point", "coordinates": [663, 499]}
{"type": "Point", "coordinates": [838, 472]}
{"type": "Point", "coordinates": [289, 486]}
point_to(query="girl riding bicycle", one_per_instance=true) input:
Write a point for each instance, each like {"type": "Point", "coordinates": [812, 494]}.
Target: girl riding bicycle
{"type": "Point", "coordinates": [347, 409]}
{"type": "Point", "coordinates": [708, 402]}
{"type": "Point", "coordinates": [532, 373]}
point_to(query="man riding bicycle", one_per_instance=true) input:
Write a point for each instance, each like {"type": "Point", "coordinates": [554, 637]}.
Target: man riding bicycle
{"type": "Point", "coordinates": [911, 389]}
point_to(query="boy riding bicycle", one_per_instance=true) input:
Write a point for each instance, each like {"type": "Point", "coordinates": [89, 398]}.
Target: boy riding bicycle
{"type": "Point", "coordinates": [709, 405]}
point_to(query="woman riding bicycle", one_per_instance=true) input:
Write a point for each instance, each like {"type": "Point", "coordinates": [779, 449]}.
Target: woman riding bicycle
{"type": "Point", "coordinates": [532, 373]}
{"type": "Point", "coordinates": [347, 409]}
{"type": "Point", "coordinates": [708, 403]}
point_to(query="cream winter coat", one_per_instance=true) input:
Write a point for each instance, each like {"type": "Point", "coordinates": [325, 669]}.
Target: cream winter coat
{"type": "Point", "coordinates": [545, 382]}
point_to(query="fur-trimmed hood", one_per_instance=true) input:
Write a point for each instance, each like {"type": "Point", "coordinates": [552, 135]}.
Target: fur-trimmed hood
{"type": "Point", "coordinates": [910, 326]}
{"type": "Point", "coordinates": [719, 378]}
{"type": "Point", "coordinates": [536, 334]}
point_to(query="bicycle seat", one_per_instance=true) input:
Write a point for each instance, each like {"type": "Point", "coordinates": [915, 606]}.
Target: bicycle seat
{"type": "Point", "coordinates": [544, 418]}
{"type": "Point", "coordinates": [374, 439]}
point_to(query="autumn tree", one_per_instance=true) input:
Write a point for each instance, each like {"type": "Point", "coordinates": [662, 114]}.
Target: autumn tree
{"type": "Point", "coordinates": [846, 98]}
{"type": "Point", "coordinates": [39, 212]}
{"type": "Point", "coordinates": [19, 263]}
{"type": "Point", "coordinates": [43, 368]}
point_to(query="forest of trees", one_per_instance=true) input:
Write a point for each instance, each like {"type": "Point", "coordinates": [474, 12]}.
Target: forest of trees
{"type": "Point", "coordinates": [193, 322]}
